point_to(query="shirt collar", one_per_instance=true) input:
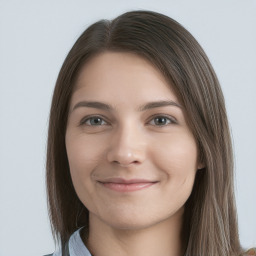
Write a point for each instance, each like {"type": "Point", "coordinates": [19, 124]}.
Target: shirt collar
{"type": "Point", "coordinates": [76, 245]}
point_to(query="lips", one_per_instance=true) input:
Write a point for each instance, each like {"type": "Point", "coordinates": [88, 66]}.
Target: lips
{"type": "Point", "coordinates": [123, 185]}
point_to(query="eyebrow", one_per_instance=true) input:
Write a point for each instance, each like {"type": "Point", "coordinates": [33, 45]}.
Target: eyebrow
{"type": "Point", "coordinates": [144, 107]}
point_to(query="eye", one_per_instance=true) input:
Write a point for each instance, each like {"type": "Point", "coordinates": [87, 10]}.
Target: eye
{"type": "Point", "coordinates": [93, 121]}
{"type": "Point", "coordinates": [162, 121]}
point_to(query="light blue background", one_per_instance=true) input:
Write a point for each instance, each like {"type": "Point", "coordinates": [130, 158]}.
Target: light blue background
{"type": "Point", "coordinates": [35, 37]}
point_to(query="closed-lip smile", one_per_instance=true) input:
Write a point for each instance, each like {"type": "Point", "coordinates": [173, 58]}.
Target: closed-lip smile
{"type": "Point", "coordinates": [124, 185]}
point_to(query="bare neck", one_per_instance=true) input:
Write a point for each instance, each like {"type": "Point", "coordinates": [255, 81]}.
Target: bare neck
{"type": "Point", "coordinates": [163, 238]}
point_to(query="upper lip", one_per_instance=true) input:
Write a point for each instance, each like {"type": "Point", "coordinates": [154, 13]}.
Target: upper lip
{"type": "Point", "coordinates": [125, 181]}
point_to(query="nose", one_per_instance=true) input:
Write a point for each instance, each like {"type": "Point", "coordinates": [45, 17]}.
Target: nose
{"type": "Point", "coordinates": [127, 147]}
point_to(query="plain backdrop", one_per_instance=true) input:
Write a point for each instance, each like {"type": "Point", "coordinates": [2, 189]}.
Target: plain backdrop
{"type": "Point", "coordinates": [35, 37]}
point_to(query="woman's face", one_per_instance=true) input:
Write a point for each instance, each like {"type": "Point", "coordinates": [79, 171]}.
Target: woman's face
{"type": "Point", "coordinates": [132, 156]}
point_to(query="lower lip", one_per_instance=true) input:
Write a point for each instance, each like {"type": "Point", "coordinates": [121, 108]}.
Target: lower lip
{"type": "Point", "coordinates": [123, 187]}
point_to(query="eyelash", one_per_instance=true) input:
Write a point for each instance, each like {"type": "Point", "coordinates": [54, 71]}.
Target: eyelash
{"type": "Point", "coordinates": [88, 118]}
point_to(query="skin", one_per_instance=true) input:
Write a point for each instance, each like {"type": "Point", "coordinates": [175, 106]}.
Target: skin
{"type": "Point", "coordinates": [128, 143]}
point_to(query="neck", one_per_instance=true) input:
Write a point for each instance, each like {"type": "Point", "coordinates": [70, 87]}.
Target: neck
{"type": "Point", "coordinates": [163, 238]}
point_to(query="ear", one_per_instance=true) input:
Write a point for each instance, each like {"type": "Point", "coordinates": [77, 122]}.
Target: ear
{"type": "Point", "coordinates": [200, 166]}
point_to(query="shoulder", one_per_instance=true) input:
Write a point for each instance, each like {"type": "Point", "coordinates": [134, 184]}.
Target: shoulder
{"type": "Point", "coordinates": [251, 252]}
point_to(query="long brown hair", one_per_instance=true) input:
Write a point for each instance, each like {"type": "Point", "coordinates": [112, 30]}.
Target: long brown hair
{"type": "Point", "coordinates": [210, 221]}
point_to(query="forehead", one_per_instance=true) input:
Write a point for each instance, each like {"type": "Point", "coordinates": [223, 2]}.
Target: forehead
{"type": "Point", "coordinates": [119, 73]}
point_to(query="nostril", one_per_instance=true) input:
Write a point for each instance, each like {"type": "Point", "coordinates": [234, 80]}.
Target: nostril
{"type": "Point", "coordinates": [126, 164]}
{"type": "Point", "coordinates": [125, 157]}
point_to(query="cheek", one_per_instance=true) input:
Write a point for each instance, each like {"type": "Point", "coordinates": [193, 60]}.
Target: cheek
{"type": "Point", "coordinates": [83, 158]}
{"type": "Point", "coordinates": [83, 154]}
{"type": "Point", "coordinates": [176, 160]}
{"type": "Point", "coordinates": [176, 156]}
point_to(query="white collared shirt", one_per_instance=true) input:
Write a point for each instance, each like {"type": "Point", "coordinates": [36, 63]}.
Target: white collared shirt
{"type": "Point", "coordinates": [76, 246]}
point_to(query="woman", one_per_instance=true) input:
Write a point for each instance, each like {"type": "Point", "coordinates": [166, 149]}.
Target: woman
{"type": "Point", "coordinates": [139, 158]}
